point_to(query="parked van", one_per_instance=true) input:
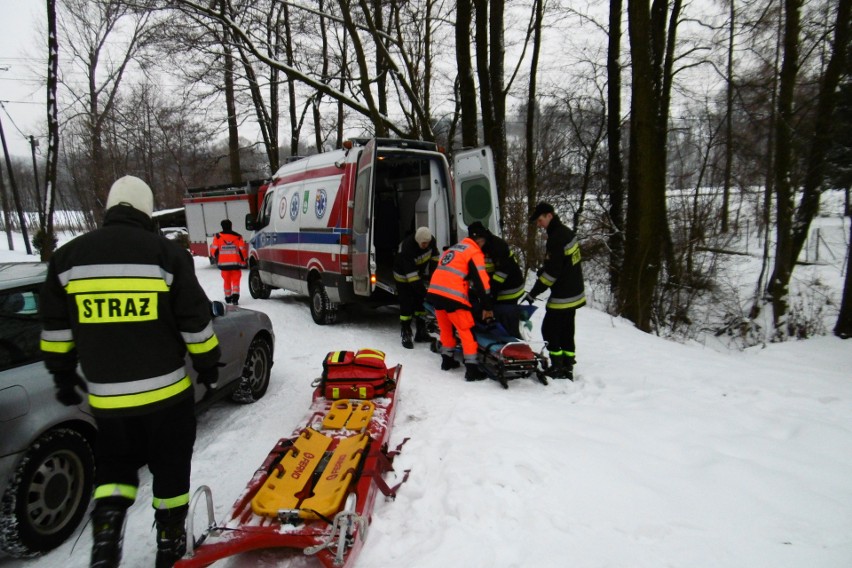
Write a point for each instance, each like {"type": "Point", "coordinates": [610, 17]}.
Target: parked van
{"type": "Point", "coordinates": [330, 224]}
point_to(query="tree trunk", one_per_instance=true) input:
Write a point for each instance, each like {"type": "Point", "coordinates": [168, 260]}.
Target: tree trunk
{"type": "Point", "coordinates": [46, 239]}
{"type": "Point", "coordinates": [231, 108]}
{"type": "Point", "coordinates": [843, 329]}
{"type": "Point", "coordinates": [497, 138]}
{"type": "Point", "coordinates": [646, 229]}
{"type": "Point", "coordinates": [532, 107]}
{"type": "Point", "coordinates": [783, 268]}
{"type": "Point", "coordinates": [467, 85]}
{"type": "Point", "coordinates": [615, 165]}
{"type": "Point", "coordinates": [486, 104]}
{"type": "Point", "coordinates": [729, 121]}
{"type": "Point", "coordinates": [822, 138]}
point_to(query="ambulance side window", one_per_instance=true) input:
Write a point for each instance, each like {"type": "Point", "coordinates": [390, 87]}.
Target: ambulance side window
{"type": "Point", "coordinates": [361, 221]}
{"type": "Point", "coordinates": [266, 212]}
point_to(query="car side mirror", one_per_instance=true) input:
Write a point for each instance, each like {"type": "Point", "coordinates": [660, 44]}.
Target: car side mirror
{"type": "Point", "coordinates": [217, 308]}
{"type": "Point", "coordinates": [250, 225]}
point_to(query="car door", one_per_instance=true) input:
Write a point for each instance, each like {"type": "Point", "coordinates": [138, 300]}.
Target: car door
{"type": "Point", "coordinates": [475, 184]}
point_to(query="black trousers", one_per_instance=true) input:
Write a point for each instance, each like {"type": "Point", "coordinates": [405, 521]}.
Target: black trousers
{"type": "Point", "coordinates": [557, 329]}
{"type": "Point", "coordinates": [162, 440]}
{"type": "Point", "coordinates": [411, 298]}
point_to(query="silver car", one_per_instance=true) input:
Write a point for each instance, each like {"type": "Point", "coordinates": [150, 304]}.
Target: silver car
{"type": "Point", "coordinates": [46, 457]}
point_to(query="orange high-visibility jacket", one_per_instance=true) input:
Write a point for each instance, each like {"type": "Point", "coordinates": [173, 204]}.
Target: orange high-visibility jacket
{"type": "Point", "coordinates": [230, 251]}
{"type": "Point", "coordinates": [460, 266]}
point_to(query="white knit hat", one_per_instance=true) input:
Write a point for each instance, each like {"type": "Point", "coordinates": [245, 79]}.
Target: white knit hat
{"type": "Point", "coordinates": [132, 191]}
{"type": "Point", "coordinates": [423, 235]}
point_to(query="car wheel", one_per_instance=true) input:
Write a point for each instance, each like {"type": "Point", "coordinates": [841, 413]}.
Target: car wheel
{"type": "Point", "coordinates": [323, 310]}
{"type": "Point", "coordinates": [255, 379]}
{"type": "Point", "coordinates": [48, 495]}
{"type": "Point", "coordinates": [257, 288]}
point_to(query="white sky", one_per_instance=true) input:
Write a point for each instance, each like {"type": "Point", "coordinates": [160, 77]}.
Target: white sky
{"type": "Point", "coordinates": [22, 95]}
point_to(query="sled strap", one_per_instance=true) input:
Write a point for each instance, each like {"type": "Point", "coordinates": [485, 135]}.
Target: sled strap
{"type": "Point", "coordinates": [333, 485]}
{"type": "Point", "coordinates": [381, 462]}
{"type": "Point", "coordinates": [285, 484]}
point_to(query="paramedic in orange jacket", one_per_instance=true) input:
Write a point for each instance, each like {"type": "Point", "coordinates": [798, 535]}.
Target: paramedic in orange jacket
{"type": "Point", "coordinates": [230, 252]}
{"type": "Point", "coordinates": [461, 266]}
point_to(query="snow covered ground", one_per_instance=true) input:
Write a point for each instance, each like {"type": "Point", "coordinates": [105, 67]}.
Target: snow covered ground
{"type": "Point", "coordinates": [660, 454]}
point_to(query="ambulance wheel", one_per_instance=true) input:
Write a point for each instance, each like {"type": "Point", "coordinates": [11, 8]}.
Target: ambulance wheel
{"type": "Point", "coordinates": [323, 309]}
{"type": "Point", "coordinates": [257, 288]}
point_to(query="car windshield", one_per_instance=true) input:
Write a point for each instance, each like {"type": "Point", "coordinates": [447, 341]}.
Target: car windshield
{"type": "Point", "coordinates": [20, 328]}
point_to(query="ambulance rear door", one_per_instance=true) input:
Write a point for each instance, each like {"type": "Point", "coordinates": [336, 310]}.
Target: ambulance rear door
{"type": "Point", "coordinates": [476, 189]}
{"type": "Point", "coordinates": [363, 260]}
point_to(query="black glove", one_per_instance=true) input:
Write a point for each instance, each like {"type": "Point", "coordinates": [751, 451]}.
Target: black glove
{"type": "Point", "coordinates": [209, 377]}
{"type": "Point", "coordinates": [66, 391]}
{"type": "Point", "coordinates": [529, 298]}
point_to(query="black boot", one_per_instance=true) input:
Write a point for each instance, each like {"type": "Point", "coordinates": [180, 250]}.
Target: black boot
{"type": "Point", "coordinates": [473, 372]}
{"type": "Point", "coordinates": [568, 367]}
{"type": "Point", "coordinates": [235, 299]}
{"type": "Point", "coordinates": [107, 535]}
{"type": "Point", "coordinates": [227, 299]}
{"type": "Point", "coordinates": [448, 362]}
{"type": "Point", "coordinates": [171, 537]}
{"type": "Point", "coordinates": [556, 369]}
{"type": "Point", "coordinates": [420, 333]}
{"type": "Point", "coordinates": [405, 333]}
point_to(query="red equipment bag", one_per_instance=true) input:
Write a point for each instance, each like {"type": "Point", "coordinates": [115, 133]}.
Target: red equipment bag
{"type": "Point", "coordinates": [362, 374]}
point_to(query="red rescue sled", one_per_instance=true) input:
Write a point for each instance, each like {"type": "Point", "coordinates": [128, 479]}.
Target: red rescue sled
{"type": "Point", "coordinates": [315, 490]}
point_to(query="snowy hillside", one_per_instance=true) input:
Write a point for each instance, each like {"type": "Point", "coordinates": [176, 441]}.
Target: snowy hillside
{"type": "Point", "coordinates": [659, 455]}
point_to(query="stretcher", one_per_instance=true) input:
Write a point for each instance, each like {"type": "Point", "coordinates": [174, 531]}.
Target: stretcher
{"type": "Point", "coordinates": [500, 354]}
{"type": "Point", "coordinates": [314, 492]}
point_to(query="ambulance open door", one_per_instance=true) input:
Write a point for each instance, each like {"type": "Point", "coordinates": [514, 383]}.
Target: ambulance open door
{"type": "Point", "coordinates": [363, 260]}
{"type": "Point", "coordinates": [476, 190]}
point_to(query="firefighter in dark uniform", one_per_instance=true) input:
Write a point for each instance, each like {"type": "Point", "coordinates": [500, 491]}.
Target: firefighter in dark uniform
{"type": "Point", "coordinates": [230, 251]}
{"type": "Point", "coordinates": [563, 274]}
{"type": "Point", "coordinates": [507, 279]}
{"type": "Point", "coordinates": [412, 265]}
{"type": "Point", "coordinates": [125, 303]}
{"type": "Point", "coordinates": [461, 267]}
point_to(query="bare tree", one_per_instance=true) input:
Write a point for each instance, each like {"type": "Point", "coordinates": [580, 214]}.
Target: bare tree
{"type": "Point", "coordinates": [652, 41]}
{"type": "Point", "coordinates": [615, 175]}
{"type": "Point", "coordinates": [45, 239]}
{"type": "Point", "coordinates": [103, 37]}
{"type": "Point", "coordinates": [791, 235]}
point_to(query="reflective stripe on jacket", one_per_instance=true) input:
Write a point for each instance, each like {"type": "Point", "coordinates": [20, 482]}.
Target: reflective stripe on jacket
{"type": "Point", "coordinates": [411, 263]}
{"type": "Point", "coordinates": [125, 302]}
{"type": "Point", "coordinates": [507, 280]}
{"type": "Point", "coordinates": [230, 250]}
{"type": "Point", "coordinates": [461, 266]}
{"type": "Point", "coordinates": [562, 271]}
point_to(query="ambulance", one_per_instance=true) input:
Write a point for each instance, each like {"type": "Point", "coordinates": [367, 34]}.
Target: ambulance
{"type": "Point", "coordinates": [330, 224]}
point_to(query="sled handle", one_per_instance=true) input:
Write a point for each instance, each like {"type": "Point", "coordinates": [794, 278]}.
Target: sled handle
{"type": "Point", "coordinates": [190, 518]}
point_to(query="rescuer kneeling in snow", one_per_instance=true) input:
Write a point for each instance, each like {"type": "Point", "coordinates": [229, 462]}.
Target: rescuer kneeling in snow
{"type": "Point", "coordinates": [126, 303]}
{"type": "Point", "coordinates": [416, 259]}
{"type": "Point", "coordinates": [461, 266]}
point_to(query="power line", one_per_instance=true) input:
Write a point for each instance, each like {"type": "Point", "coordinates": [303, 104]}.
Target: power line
{"type": "Point", "coordinates": [3, 106]}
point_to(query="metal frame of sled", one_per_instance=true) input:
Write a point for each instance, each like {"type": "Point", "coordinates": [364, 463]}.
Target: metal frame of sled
{"type": "Point", "coordinates": [329, 516]}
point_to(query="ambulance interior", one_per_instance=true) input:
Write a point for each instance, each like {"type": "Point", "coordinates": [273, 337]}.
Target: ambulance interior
{"type": "Point", "coordinates": [411, 191]}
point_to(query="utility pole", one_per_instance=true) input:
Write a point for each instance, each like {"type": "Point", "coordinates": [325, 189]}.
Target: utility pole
{"type": "Point", "coordinates": [15, 195]}
{"type": "Point", "coordinates": [33, 146]}
{"type": "Point", "coordinates": [6, 220]}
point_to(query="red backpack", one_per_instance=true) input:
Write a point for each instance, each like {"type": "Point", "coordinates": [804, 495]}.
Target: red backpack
{"type": "Point", "coordinates": [362, 374]}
